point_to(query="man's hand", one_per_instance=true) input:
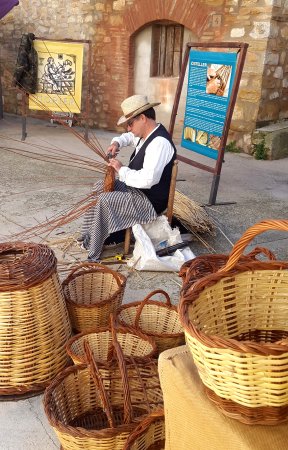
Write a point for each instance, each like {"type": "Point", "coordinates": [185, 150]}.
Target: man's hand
{"type": "Point", "coordinates": [113, 149]}
{"type": "Point", "coordinates": [116, 164]}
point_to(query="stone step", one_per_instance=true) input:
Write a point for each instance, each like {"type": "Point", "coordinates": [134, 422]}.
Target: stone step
{"type": "Point", "coordinates": [275, 139]}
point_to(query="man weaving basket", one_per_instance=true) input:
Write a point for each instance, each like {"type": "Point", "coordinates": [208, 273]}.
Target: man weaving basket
{"type": "Point", "coordinates": [141, 192]}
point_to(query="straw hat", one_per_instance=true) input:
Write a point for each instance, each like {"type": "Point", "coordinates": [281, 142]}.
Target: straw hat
{"type": "Point", "coordinates": [134, 105]}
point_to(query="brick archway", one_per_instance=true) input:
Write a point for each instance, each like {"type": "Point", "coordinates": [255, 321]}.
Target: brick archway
{"type": "Point", "coordinates": [190, 13]}
{"type": "Point", "coordinates": [193, 14]}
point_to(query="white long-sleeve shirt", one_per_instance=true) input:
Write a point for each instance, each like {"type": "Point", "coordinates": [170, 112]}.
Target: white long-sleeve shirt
{"type": "Point", "coordinates": [157, 155]}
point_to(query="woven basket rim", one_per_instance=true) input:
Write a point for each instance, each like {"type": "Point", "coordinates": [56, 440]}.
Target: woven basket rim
{"type": "Point", "coordinates": [216, 341]}
{"type": "Point", "coordinates": [70, 278]}
{"type": "Point", "coordinates": [212, 259]}
{"type": "Point", "coordinates": [83, 268]}
{"type": "Point", "coordinates": [137, 333]}
{"type": "Point", "coordinates": [148, 302]}
{"type": "Point", "coordinates": [35, 266]}
{"type": "Point", "coordinates": [79, 431]}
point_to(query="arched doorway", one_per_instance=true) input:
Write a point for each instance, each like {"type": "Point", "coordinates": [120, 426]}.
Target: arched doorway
{"type": "Point", "coordinates": [159, 49]}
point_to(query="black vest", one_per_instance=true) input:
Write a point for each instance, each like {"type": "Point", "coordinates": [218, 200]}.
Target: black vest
{"type": "Point", "coordinates": [157, 194]}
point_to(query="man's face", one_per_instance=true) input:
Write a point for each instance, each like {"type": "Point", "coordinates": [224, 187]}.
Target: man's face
{"type": "Point", "coordinates": [136, 125]}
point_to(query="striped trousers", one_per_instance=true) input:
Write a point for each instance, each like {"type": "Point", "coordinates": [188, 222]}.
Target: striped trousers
{"type": "Point", "coordinates": [114, 211]}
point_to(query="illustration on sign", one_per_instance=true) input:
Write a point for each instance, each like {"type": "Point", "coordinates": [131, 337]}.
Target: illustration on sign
{"type": "Point", "coordinates": [210, 82]}
{"type": "Point", "coordinates": [59, 81]}
{"type": "Point", "coordinates": [57, 76]}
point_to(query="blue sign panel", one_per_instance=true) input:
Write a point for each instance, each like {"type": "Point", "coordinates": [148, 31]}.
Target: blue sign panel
{"type": "Point", "coordinates": [210, 82]}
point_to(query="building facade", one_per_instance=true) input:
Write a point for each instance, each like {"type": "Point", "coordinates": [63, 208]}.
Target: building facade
{"type": "Point", "coordinates": [137, 46]}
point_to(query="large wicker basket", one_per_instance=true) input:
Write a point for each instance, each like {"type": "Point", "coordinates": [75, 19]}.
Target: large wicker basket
{"type": "Point", "coordinates": [92, 292]}
{"type": "Point", "coordinates": [149, 434]}
{"type": "Point", "coordinates": [156, 319]}
{"type": "Point", "coordinates": [133, 343]}
{"type": "Point", "coordinates": [34, 323]}
{"type": "Point", "coordinates": [236, 326]}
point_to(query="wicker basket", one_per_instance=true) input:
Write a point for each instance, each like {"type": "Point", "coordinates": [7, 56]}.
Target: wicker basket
{"type": "Point", "coordinates": [97, 406]}
{"type": "Point", "coordinates": [203, 265]}
{"type": "Point", "coordinates": [156, 319]}
{"type": "Point", "coordinates": [74, 410]}
{"type": "Point", "coordinates": [92, 292]}
{"type": "Point", "coordinates": [236, 326]}
{"type": "Point", "coordinates": [133, 343]}
{"type": "Point", "coordinates": [32, 340]}
{"type": "Point", "coordinates": [149, 435]}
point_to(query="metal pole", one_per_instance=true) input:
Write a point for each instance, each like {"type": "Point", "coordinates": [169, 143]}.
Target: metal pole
{"type": "Point", "coordinates": [24, 115]}
{"type": "Point", "coordinates": [218, 166]}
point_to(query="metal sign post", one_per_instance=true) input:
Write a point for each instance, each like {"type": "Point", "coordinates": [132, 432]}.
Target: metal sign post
{"type": "Point", "coordinates": [192, 123]}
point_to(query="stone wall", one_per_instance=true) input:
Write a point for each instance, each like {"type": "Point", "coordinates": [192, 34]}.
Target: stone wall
{"type": "Point", "coordinates": [111, 26]}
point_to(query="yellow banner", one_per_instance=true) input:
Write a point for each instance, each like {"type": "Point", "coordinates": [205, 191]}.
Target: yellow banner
{"type": "Point", "coordinates": [59, 84]}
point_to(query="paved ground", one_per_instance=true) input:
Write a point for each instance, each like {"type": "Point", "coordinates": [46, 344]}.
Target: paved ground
{"type": "Point", "coordinates": [33, 190]}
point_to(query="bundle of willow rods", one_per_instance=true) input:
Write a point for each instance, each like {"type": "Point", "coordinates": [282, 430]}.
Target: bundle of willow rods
{"type": "Point", "coordinates": [192, 216]}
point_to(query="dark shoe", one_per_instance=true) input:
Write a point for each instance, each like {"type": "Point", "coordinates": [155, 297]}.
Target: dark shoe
{"type": "Point", "coordinates": [115, 239]}
{"type": "Point", "coordinates": [91, 260]}
{"type": "Point", "coordinates": [113, 245]}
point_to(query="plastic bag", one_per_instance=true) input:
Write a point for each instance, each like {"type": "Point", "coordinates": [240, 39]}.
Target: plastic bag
{"type": "Point", "coordinates": [152, 237]}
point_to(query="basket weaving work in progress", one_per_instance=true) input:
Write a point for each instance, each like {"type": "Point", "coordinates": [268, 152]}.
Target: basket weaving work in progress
{"type": "Point", "coordinates": [109, 179]}
{"type": "Point", "coordinates": [92, 292]}
{"type": "Point", "coordinates": [132, 342]}
{"type": "Point", "coordinates": [156, 319]}
{"type": "Point", "coordinates": [236, 326]}
{"type": "Point", "coordinates": [32, 340]}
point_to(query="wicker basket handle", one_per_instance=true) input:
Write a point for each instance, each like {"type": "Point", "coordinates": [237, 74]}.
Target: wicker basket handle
{"type": "Point", "coordinates": [250, 233]}
{"type": "Point", "coordinates": [261, 251]}
{"type": "Point", "coordinates": [146, 300]}
{"type": "Point", "coordinates": [142, 427]}
{"type": "Point", "coordinates": [94, 265]}
{"type": "Point", "coordinates": [128, 410]}
{"type": "Point", "coordinates": [114, 327]}
{"type": "Point", "coordinates": [96, 374]}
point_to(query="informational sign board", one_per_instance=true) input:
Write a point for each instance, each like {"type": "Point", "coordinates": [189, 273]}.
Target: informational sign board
{"type": "Point", "coordinates": [210, 81]}
{"type": "Point", "coordinates": [215, 70]}
{"type": "Point", "coordinates": [59, 81]}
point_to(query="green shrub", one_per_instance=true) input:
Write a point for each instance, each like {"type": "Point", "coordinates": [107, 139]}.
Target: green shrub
{"type": "Point", "coordinates": [260, 151]}
{"type": "Point", "coordinates": [232, 147]}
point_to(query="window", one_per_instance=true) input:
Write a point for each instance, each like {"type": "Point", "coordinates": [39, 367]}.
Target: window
{"type": "Point", "coordinates": [166, 51]}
